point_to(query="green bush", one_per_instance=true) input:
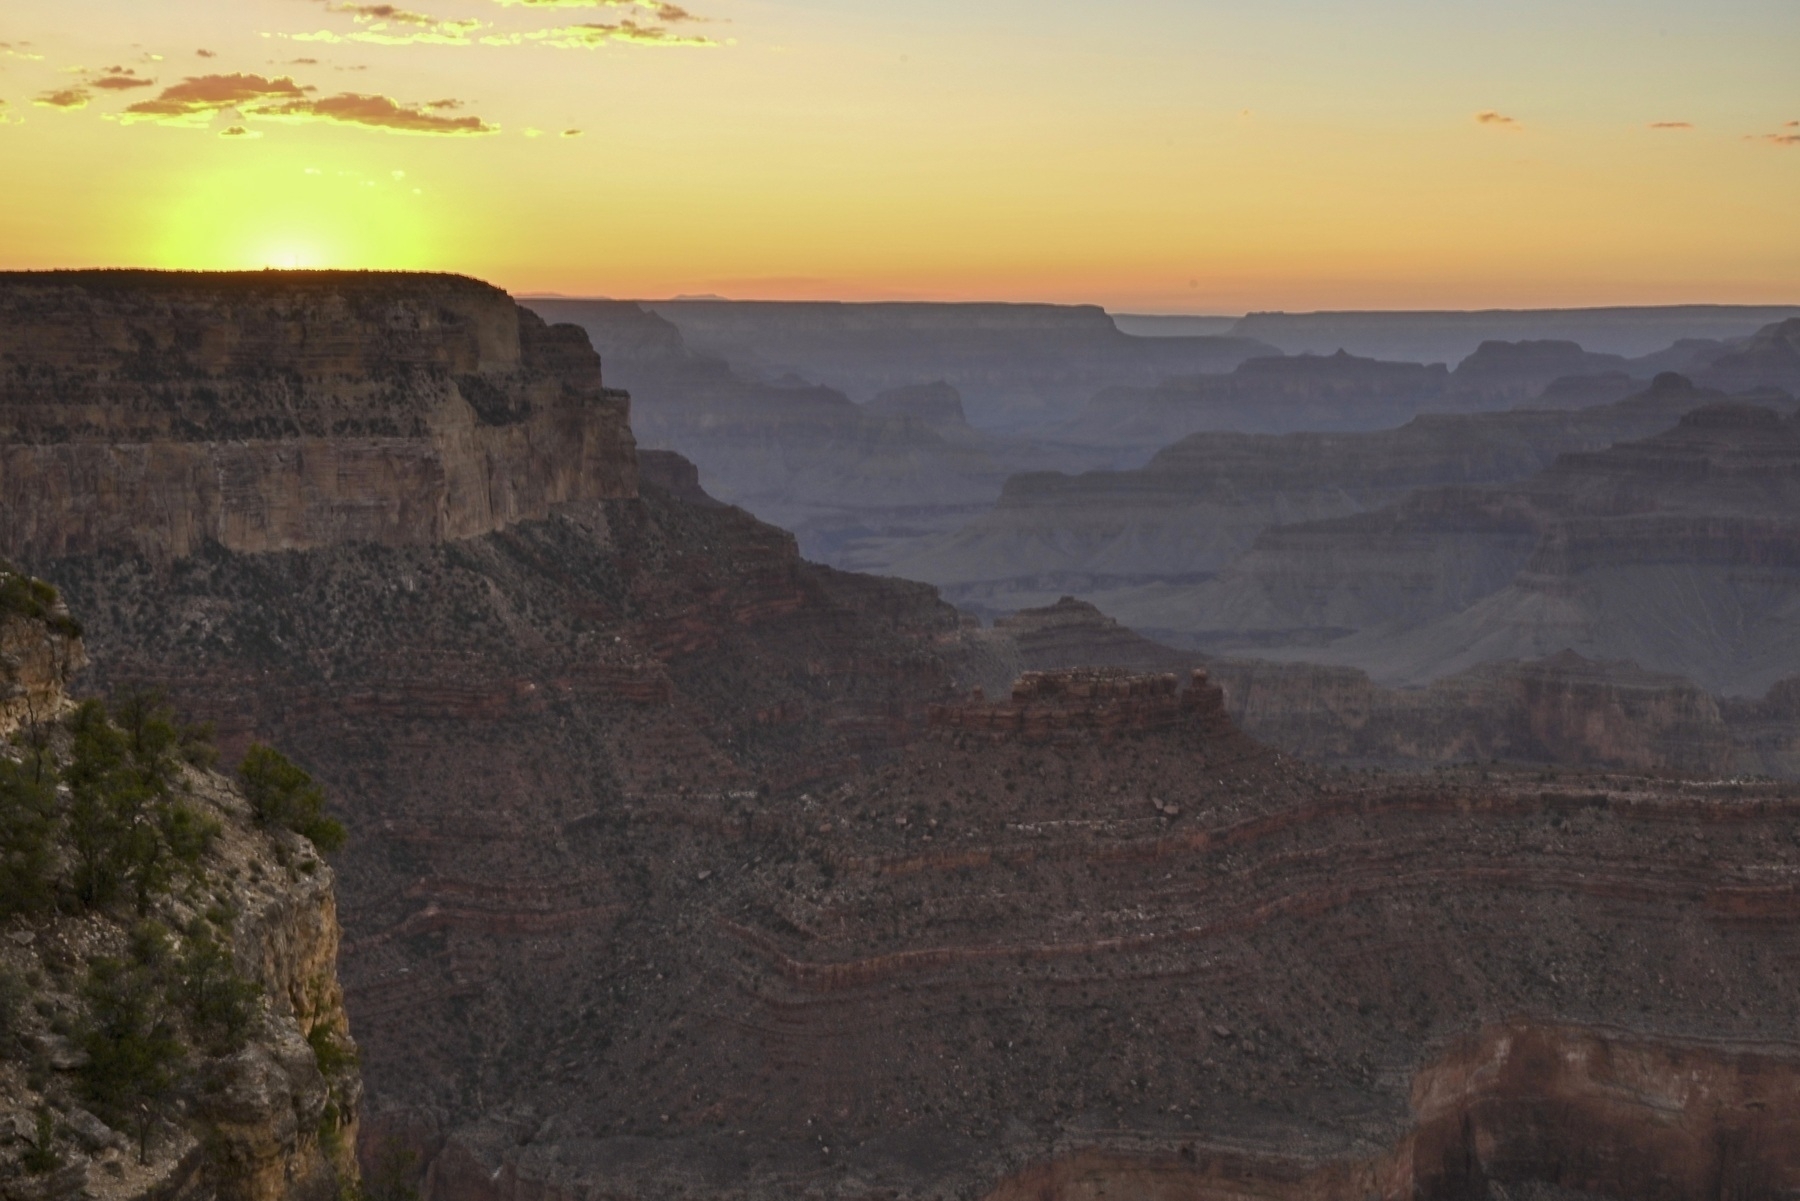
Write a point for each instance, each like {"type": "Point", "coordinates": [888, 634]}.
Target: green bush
{"type": "Point", "coordinates": [127, 832]}
{"type": "Point", "coordinates": [219, 1005]}
{"type": "Point", "coordinates": [40, 1151]}
{"type": "Point", "coordinates": [27, 833]}
{"type": "Point", "coordinates": [130, 1038]}
{"type": "Point", "coordinates": [282, 795]}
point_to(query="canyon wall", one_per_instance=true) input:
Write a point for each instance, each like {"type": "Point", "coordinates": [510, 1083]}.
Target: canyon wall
{"type": "Point", "coordinates": [154, 414]}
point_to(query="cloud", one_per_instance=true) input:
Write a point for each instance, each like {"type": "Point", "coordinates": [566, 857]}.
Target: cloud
{"type": "Point", "coordinates": [64, 98]}
{"type": "Point", "coordinates": [595, 34]}
{"type": "Point", "coordinates": [662, 9]}
{"type": "Point", "coordinates": [1490, 117]}
{"type": "Point", "coordinates": [120, 79]}
{"type": "Point", "coordinates": [571, 133]}
{"type": "Point", "coordinates": [378, 112]}
{"type": "Point", "coordinates": [238, 131]}
{"type": "Point", "coordinates": [6, 117]}
{"type": "Point", "coordinates": [391, 25]}
{"type": "Point", "coordinates": [1671, 125]}
{"type": "Point", "coordinates": [206, 54]}
{"type": "Point", "coordinates": [384, 12]}
{"type": "Point", "coordinates": [19, 50]}
{"type": "Point", "coordinates": [201, 96]}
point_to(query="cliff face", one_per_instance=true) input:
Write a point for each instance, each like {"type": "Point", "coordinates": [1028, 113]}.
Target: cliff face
{"type": "Point", "coordinates": [272, 1114]}
{"type": "Point", "coordinates": [154, 414]}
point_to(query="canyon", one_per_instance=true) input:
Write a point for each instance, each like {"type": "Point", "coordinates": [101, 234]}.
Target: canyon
{"type": "Point", "coordinates": [682, 866]}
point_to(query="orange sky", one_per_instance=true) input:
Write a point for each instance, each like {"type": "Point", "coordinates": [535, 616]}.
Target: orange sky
{"type": "Point", "coordinates": [1175, 156]}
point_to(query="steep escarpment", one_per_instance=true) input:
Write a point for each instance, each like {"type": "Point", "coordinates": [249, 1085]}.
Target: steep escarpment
{"type": "Point", "coordinates": [171, 1023]}
{"type": "Point", "coordinates": [153, 414]}
{"type": "Point", "coordinates": [844, 478]}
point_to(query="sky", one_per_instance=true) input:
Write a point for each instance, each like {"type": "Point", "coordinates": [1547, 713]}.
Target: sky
{"type": "Point", "coordinates": [1177, 156]}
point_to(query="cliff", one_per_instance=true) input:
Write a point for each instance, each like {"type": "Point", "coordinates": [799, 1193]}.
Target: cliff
{"type": "Point", "coordinates": [157, 413]}
{"type": "Point", "coordinates": [193, 1043]}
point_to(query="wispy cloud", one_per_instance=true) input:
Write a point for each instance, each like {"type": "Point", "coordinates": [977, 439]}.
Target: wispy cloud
{"type": "Point", "coordinates": [201, 96]}
{"type": "Point", "coordinates": [238, 131]}
{"type": "Point", "coordinates": [19, 50]}
{"type": "Point", "coordinates": [1671, 125]}
{"type": "Point", "coordinates": [64, 98]}
{"type": "Point", "coordinates": [120, 79]}
{"type": "Point", "coordinates": [571, 133]}
{"type": "Point", "coordinates": [1490, 117]}
{"type": "Point", "coordinates": [6, 117]}
{"type": "Point", "coordinates": [379, 112]}
{"type": "Point", "coordinates": [593, 35]}
{"type": "Point", "coordinates": [661, 9]}
{"type": "Point", "coordinates": [205, 54]}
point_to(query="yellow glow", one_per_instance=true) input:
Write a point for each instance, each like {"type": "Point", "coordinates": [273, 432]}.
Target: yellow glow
{"type": "Point", "coordinates": [282, 215]}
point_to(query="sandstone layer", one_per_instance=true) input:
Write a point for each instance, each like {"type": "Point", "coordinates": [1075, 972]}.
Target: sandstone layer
{"type": "Point", "coordinates": [155, 414]}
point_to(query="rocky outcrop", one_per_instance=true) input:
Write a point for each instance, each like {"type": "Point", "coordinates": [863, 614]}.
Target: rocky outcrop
{"type": "Point", "coordinates": [155, 414]}
{"type": "Point", "coordinates": [1084, 705]}
{"type": "Point", "coordinates": [274, 1115]}
{"type": "Point", "coordinates": [1501, 374]}
{"type": "Point", "coordinates": [1564, 709]}
{"type": "Point", "coordinates": [1769, 358]}
{"type": "Point", "coordinates": [40, 650]}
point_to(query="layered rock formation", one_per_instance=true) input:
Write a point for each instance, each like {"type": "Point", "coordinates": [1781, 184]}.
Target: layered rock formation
{"type": "Point", "coordinates": [273, 1118]}
{"type": "Point", "coordinates": [158, 414]}
{"type": "Point", "coordinates": [1136, 542]}
{"type": "Point", "coordinates": [1017, 366]}
{"type": "Point", "coordinates": [1514, 373]}
{"type": "Point", "coordinates": [848, 480]}
{"type": "Point", "coordinates": [1675, 552]}
{"type": "Point", "coordinates": [1262, 396]}
{"type": "Point", "coordinates": [1153, 957]}
{"type": "Point", "coordinates": [1562, 710]}
{"type": "Point", "coordinates": [663, 881]}
{"type": "Point", "coordinates": [1449, 337]}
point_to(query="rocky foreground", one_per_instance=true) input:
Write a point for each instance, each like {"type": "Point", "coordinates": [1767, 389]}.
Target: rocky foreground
{"type": "Point", "coordinates": [171, 1022]}
{"type": "Point", "coordinates": [680, 867]}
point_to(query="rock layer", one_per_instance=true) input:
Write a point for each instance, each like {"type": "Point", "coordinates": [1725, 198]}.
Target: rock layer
{"type": "Point", "coordinates": [153, 414]}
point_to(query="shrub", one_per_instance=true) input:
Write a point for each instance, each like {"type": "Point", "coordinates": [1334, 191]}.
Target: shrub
{"type": "Point", "coordinates": [282, 795]}
{"type": "Point", "coordinates": [218, 1004]}
{"type": "Point", "coordinates": [128, 834]}
{"type": "Point", "coordinates": [27, 829]}
{"type": "Point", "coordinates": [131, 1043]}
